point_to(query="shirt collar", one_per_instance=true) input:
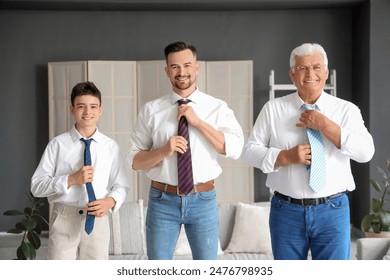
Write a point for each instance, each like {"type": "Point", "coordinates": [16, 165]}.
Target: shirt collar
{"type": "Point", "coordinates": [76, 136]}
{"type": "Point", "coordinates": [321, 101]}
{"type": "Point", "coordinates": [194, 97]}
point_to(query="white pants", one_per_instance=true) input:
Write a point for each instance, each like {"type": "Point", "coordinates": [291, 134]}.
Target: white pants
{"type": "Point", "coordinates": [69, 241]}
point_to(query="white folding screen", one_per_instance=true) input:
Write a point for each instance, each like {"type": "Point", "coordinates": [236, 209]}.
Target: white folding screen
{"type": "Point", "coordinates": [232, 82]}
{"type": "Point", "coordinates": [62, 77]}
{"type": "Point", "coordinates": [127, 85]}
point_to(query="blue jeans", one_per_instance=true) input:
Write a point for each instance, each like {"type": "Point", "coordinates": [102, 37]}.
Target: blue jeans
{"type": "Point", "coordinates": [323, 229]}
{"type": "Point", "coordinates": [167, 212]}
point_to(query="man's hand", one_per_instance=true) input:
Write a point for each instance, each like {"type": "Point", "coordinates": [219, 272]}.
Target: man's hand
{"type": "Point", "coordinates": [300, 154]}
{"type": "Point", "coordinates": [214, 136]}
{"type": "Point", "coordinates": [189, 113]}
{"type": "Point", "coordinates": [82, 176]}
{"type": "Point", "coordinates": [100, 207]}
{"type": "Point", "coordinates": [144, 160]}
{"type": "Point", "coordinates": [312, 119]}
{"type": "Point", "coordinates": [315, 120]}
{"type": "Point", "coordinates": [175, 144]}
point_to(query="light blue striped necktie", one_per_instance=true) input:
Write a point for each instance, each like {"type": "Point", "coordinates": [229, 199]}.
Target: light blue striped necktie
{"type": "Point", "coordinates": [318, 165]}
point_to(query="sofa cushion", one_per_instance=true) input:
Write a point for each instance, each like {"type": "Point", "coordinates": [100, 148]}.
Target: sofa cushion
{"type": "Point", "coordinates": [128, 222]}
{"type": "Point", "coordinates": [227, 213]}
{"type": "Point", "coordinates": [251, 230]}
{"type": "Point", "coordinates": [372, 248]}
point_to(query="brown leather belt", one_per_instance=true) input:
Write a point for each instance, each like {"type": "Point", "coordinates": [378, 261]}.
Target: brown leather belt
{"type": "Point", "coordinates": [203, 187]}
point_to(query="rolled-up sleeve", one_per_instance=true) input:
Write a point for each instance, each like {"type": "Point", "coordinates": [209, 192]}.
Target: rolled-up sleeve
{"type": "Point", "coordinates": [356, 141]}
{"type": "Point", "coordinates": [119, 183]}
{"type": "Point", "coordinates": [234, 136]}
{"type": "Point", "coordinates": [257, 151]}
{"type": "Point", "coordinates": [140, 140]}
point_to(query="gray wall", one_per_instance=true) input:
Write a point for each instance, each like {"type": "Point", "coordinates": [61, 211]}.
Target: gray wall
{"type": "Point", "coordinates": [54, 31]}
{"type": "Point", "coordinates": [379, 85]}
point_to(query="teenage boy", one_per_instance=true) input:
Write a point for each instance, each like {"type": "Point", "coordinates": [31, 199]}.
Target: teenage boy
{"type": "Point", "coordinates": [82, 174]}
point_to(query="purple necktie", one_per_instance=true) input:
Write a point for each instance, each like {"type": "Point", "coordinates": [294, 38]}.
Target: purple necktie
{"type": "Point", "coordinates": [184, 162]}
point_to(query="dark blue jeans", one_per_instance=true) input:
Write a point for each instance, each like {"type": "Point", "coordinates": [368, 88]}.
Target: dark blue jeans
{"type": "Point", "coordinates": [323, 229]}
{"type": "Point", "coordinates": [167, 212]}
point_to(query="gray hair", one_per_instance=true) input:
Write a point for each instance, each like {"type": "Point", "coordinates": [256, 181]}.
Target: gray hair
{"type": "Point", "coordinates": [307, 49]}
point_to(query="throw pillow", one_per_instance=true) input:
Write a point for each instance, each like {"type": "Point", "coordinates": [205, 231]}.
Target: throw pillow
{"type": "Point", "coordinates": [251, 230]}
{"type": "Point", "coordinates": [183, 247]}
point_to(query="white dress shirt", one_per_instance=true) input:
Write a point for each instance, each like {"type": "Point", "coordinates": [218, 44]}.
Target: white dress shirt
{"type": "Point", "coordinates": [64, 155]}
{"type": "Point", "coordinates": [157, 122]}
{"type": "Point", "coordinates": [275, 130]}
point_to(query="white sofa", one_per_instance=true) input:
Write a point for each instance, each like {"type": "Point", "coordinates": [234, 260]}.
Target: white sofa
{"type": "Point", "coordinates": [237, 222]}
{"type": "Point", "coordinates": [128, 234]}
{"type": "Point", "coordinates": [371, 248]}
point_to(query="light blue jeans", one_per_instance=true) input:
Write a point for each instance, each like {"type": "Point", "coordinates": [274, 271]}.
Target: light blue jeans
{"type": "Point", "coordinates": [167, 212]}
{"type": "Point", "coordinates": [323, 229]}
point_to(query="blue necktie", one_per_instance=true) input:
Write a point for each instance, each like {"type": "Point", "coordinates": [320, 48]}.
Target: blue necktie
{"type": "Point", "coordinates": [184, 162]}
{"type": "Point", "coordinates": [90, 219]}
{"type": "Point", "coordinates": [318, 164]}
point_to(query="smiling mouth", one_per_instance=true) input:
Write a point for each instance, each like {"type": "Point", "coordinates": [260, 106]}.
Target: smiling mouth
{"type": "Point", "coordinates": [182, 78]}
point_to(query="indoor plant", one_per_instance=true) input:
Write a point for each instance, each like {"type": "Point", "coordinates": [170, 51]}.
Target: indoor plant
{"type": "Point", "coordinates": [30, 227]}
{"type": "Point", "coordinates": [379, 219]}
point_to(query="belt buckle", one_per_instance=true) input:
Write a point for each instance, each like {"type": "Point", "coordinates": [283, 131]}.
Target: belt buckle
{"type": "Point", "coordinates": [310, 201]}
{"type": "Point", "coordinates": [178, 192]}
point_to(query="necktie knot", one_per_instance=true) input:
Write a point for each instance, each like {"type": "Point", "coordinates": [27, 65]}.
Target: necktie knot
{"type": "Point", "coordinates": [305, 107]}
{"type": "Point", "coordinates": [87, 153]}
{"type": "Point", "coordinates": [183, 101]}
{"type": "Point", "coordinates": [87, 141]}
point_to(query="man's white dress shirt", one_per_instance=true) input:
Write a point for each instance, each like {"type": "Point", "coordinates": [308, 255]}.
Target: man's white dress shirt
{"type": "Point", "coordinates": [275, 130]}
{"type": "Point", "coordinates": [157, 122]}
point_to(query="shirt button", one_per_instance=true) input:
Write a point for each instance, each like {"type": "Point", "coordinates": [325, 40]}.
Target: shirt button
{"type": "Point", "coordinates": [81, 212]}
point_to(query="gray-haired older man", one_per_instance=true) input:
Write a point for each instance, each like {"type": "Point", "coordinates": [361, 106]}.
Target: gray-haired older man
{"type": "Point", "coordinates": [304, 142]}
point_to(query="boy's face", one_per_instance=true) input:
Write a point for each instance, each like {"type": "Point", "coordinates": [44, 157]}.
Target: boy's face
{"type": "Point", "coordinates": [86, 111]}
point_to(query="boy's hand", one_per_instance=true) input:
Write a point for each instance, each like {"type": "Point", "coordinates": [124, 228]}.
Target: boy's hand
{"type": "Point", "coordinates": [100, 207]}
{"type": "Point", "coordinates": [82, 176]}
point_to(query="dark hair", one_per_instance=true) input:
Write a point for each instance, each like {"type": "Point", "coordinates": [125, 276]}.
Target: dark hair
{"type": "Point", "coordinates": [85, 88]}
{"type": "Point", "coordinates": [177, 47]}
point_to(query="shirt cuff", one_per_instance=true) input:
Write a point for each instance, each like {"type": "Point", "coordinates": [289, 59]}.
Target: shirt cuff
{"type": "Point", "coordinates": [233, 146]}
{"type": "Point", "coordinates": [270, 160]}
{"type": "Point", "coordinates": [61, 185]}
